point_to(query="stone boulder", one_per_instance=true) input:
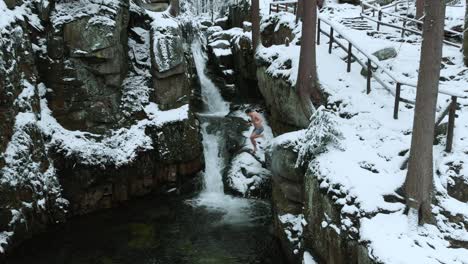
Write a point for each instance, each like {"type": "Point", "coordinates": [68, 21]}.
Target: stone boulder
{"type": "Point", "coordinates": [276, 29]}
{"type": "Point", "coordinates": [382, 55]}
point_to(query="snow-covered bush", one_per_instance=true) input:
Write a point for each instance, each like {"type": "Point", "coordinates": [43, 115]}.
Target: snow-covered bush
{"type": "Point", "coordinates": [322, 132]}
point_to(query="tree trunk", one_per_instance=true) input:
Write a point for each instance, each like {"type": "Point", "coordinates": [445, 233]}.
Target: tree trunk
{"type": "Point", "coordinates": [307, 84]}
{"type": "Point", "coordinates": [419, 8]}
{"type": "Point", "coordinates": [300, 10]}
{"type": "Point", "coordinates": [419, 180]}
{"type": "Point", "coordinates": [255, 17]}
{"type": "Point", "coordinates": [465, 36]}
{"type": "Point", "coordinates": [174, 8]}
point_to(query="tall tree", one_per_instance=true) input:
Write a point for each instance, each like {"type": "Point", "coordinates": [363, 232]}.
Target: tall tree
{"type": "Point", "coordinates": [465, 36]}
{"type": "Point", "coordinates": [419, 179]}
{"type": "Point", "coordinates": [307, 83]}
{"type": "Point", "coordinates": [174, 8]}
{"type": "Point", "coordinates": [255, 17]}
{"type": "Point", "coordinates": [419, 8]}
{"type": "Point", "coordinates": [300, 10]}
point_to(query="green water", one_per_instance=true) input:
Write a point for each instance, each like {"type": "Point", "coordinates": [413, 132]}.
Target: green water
{"type": "Point", "coordinates": [159, 230]}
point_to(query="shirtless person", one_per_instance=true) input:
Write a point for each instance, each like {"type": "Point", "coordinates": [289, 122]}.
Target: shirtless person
{"type": "Point", "coordinates": [257, 122]}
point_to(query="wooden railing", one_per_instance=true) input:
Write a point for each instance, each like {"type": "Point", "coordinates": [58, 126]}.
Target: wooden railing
{"type": "Point", "coordinates": [286, 6]}
{"type": "Point", "coordinates": [369, 7]}
{"type": "Point", "coordinates": [371, 62]}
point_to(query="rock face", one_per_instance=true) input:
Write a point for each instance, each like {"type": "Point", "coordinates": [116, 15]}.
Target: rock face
{"type": "Point", "coordinates": [90, 113]}
{"type": "Point", "coordinates": [168, 66]}
{"type": "Point", "coordinates": [288, 192]}
{"type": "Point", "coordinates": [231, 58]}
{"type": "Point", "coordinates": [323, 216]}
{"type": "Point", "coordinates": [282, 101]}
{"type": "Point", "coordinates": [89, 62]}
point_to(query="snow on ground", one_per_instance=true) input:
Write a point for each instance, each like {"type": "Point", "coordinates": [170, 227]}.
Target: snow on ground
{"type": "Point", "coordinates": [366, 166]}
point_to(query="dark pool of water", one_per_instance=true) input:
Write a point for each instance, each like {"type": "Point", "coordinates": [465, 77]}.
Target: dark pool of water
{"type": "Point", "coordinates": [158, 230]}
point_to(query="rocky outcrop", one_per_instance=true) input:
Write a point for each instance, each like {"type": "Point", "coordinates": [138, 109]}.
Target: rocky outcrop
{"type": "Point", "coordinates": [288, 193]}
{"type": "Point", "coordinates": [231, 58]}
{"type": "Point", "coordinates": [168, 63]}
{"type": "Point", "coordinates": [282, 101]}
{"type": "Point", "coordinates": [30, 197]}
{"type": "Point", "coordinates": [324, 218]}
{"type": "Point", "coordinates": [276, 29]}
{"type": "Point", "coordinates": [88, 61]}
{"type": "Point", "coordinates": [88, 118]}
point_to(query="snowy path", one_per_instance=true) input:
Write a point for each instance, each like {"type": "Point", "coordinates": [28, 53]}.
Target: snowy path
{"type": "Point", "coordinates": [367, 168]}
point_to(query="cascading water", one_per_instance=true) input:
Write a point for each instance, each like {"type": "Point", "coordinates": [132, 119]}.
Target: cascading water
{"type": "Point", "coordinates": [210, 94]}
{"type": "Point", "coordinates": [217, 107]}
{"type": "Point", "coordinates": [213, 182]}
{"type": "Point", "coordinates": [212, 195]}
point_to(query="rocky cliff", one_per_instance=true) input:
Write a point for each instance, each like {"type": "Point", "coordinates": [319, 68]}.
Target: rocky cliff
{"type": "Point", "coordinates": [94, 110]}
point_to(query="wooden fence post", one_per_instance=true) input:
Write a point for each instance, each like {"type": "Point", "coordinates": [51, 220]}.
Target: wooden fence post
{"type": "Point", "coordinates": [350, 56]}
{"type": "Point", "coordinates": [330, 46]}
{"type": "Point", "coordinates": [295, 8]}
{"type": "Point", "coordinates": [277, 8]}
{"type": "Point", "coordinates": [318, 31]}
{"type": "Point", "coordinates": [369, 75]}
{"type": "Point", "coordinates": [397, 101]}
{"type": "Point", "coordinates": [451, 124]}
{"type": "Point", "coordinates": [379, 19]}
{"type": "Point", "coordinates": [403, 30]}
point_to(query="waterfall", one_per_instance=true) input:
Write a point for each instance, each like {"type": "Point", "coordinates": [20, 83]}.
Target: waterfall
{"type": "Point", "coordinates": [213, 179]}
{"type": "Point", "coordinates": [236, 210]}
{"type": "Point", "coordinates": [210, 93]}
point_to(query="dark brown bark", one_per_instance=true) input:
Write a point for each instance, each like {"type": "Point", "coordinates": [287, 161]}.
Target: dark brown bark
{"type": "Point", "coordinates": [255, 17]}
{"type": "Point", "coordinates": [419, 180]}
{"type": "Point", "coordinates": [174, 8]}
{"type": "Point", "coordinates": [465, 36]}
{"type": "Point", "coordinates": [307, 84]}
{"type": "Point", "coordinates": [300, 10]}
{"type": "Point", "coordinates": [419, 8]}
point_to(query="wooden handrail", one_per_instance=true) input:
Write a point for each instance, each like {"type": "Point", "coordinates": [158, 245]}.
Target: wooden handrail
{"type": "Point", "coordinates": [370, 59]}
{"type": "Point", "coordinates": [407, 19]}
{"type": "Point", "coordinates": [335, 31]}
{"type": "Point", "coordinates": [375, 60]}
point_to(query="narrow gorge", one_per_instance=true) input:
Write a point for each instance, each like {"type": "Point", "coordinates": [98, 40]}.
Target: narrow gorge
{"type": "Point", "coordinates": [124, 139]}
